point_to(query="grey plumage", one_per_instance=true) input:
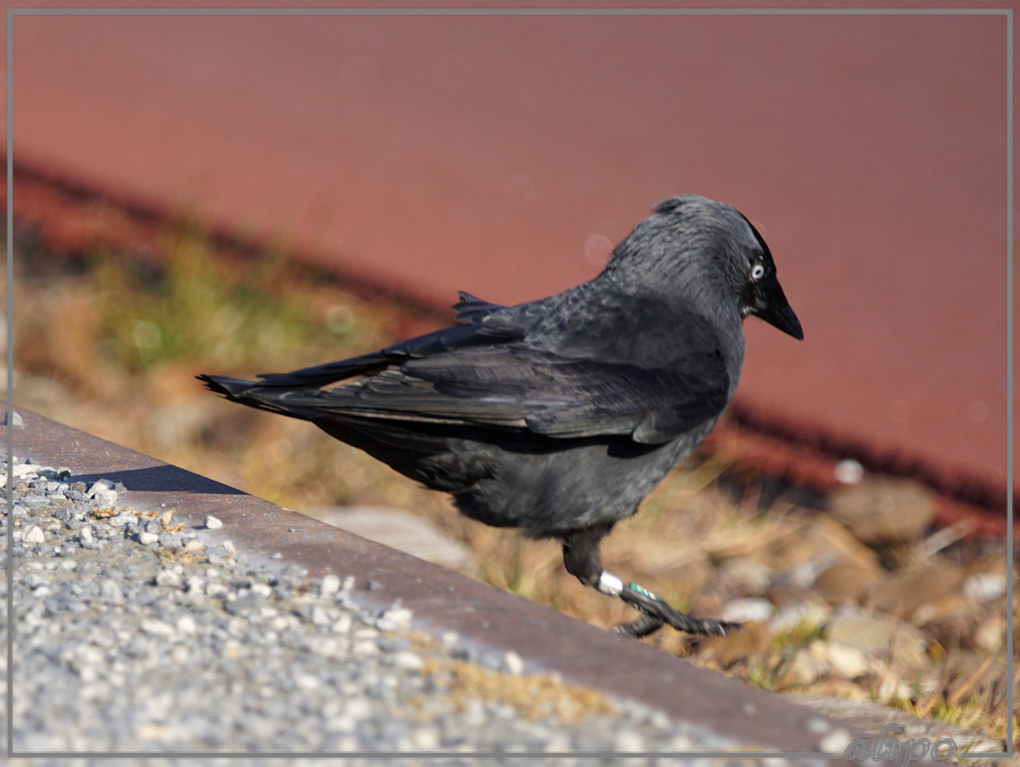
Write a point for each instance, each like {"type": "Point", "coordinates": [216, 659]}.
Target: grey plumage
{"type": "Point", "coordinates": [559, 415]}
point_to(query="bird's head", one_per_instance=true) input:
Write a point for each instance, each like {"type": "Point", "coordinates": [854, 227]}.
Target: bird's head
{"type": "Point", "coordinates": [705, 248]}
{"type": "Point", "coordinates": [762, 295]}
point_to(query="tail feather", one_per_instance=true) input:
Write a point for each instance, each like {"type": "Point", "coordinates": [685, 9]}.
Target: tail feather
{"type": "Point", "coordinates": [241, 391]}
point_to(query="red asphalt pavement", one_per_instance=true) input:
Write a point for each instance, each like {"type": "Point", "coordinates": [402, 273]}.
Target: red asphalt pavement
{"type": "Point", "coordinates": [505, 155]}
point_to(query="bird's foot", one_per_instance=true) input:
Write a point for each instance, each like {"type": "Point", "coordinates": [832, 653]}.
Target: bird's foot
{"type": "Point", "coordinates": [657, 612]}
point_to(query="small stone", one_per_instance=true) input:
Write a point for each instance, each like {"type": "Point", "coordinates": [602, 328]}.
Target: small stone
{"type": "Point", "coordinates": [97, 486]}
{"type": "Point", "coordinates": [33, 534]}
{"type": "Point", "coordinates": [835, 742]}
{"type": "Point", "coordinates": [408, 660]}
{"type": "Point", "coordinates": [628, 740]}
{"type": "Point", "coordinates": [749, 609]}
{"type": "Point", "coordinates": [513, 663]}
{"type": "Point", "coordinates": [306, 682]}
{"type": "Point", "coordinates": [849, 472]}
{"type": "Point", "coordinates": [157, 628]}
{"type": "Point", "coordinates": [241, 604]}
{"type": "Point", "coordinates": [330, 585]}
{"type": "Point", "coordinates": [216, 589]}
{"type": "Point", "coordinates": [212, 523]}
{"type": "Point", "coordinates": [845, 582]}
{"type": "Point", "coordinates": [194, 547]}
{"type": "Point", "coordinates": [872, 633]}
{"type": "Point", "coordinates": [394, 618]}
{"type": "Point", "coordinates": [167, 578]}
{"type": "Point", "coordinates": [984, 587]}
{"type": "Point", "coordinates": [319, 617]}
{"type": "Point", "coordinates": [110, 590]}
{"type": "Point", "coordinates": [905, 593]}
{"type": "Point", "coordinates": [262, 589]}
{"type": "Point", "coordinates": [148, 539]}
{"type": "Point", "coordinates": [797, 615]}
{"type": "Point", "coordinates": [884, 510]}
{"type": "Point", "coordinates": [186, 625]}
{"type": "Point", "coordinates": [426, 739]}
{"type": "Point", "coordinates": [840, 659]}
{"type": "Point", "coordinates": [804, 669]}
{"type": "Point", "coordinates": [120, 520]}
{"type": "Point", "coordinates": [991, 634]}
{"type": "Point", "coordinates": [868, 632]}
{"type": "Point", "coordinates": [739, 645]}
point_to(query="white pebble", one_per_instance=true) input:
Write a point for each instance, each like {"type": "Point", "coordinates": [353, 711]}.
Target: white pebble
{"type": "Point", "coordinates": [408, 660]}
{"type": "Point", "coordinates": [513, 663]}
{"type": "Point", "coordinates": [105, 498]}
{"type": "Point", "coordinates": [984, 587]}
{"type": "Point", "coordinates": [394, 618]}
{"type": "Point", "coordinates": [97, 486]}
{"type": "Point", "coordinates": [835, 742]}
{"type": "Point", "coordinates": [110, 589]}
{"type": "Point", "coordinates": [365, 647]}
{"type": "Point", "coordinates": [215, 589]}
{"type": "Point", "coordinates": [167, 578]}
{"type": "Point", "coordinates": [426, 739]}
{"type": "Point", "coordinates": [330, 585]}
{"type": "Point", "coordinates": [747, 609]}
{"type": "Point", "coordinates": [306, 682]}
{"type": "Point", "coordinates": [626, 740]}
{"type": "Point", "coordinates": [212, 523]}
{"type": "Point", "coordinates": [148, 539]}
{"type": "Point", "coordinates": [157, 628]}
{"type": "Point", "coordinates": [33, 534]}
{"type": "Point", "coordinates": [186, 625]}
{"type": "Point", "coordinates": [849, 472]}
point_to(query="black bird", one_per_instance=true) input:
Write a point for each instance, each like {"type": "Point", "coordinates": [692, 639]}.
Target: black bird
{"type": "Point", "coordinates": [558, 416]}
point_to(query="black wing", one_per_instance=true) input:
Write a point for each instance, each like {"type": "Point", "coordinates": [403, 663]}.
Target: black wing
{"type": "Point", "coordinates": [512, 386]}
{"type": "Point", "coordinates": [484, 374]}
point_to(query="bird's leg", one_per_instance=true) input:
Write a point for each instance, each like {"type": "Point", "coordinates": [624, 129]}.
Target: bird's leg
{"type": "Point", "coordinates": [582, 560]}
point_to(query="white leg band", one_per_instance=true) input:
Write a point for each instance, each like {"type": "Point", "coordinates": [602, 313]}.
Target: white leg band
{"type": "Point", "coordinates": [610, 584]}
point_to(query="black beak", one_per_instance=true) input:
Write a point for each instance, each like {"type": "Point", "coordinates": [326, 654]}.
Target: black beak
{"type": "Point", "coordinates": [775, 309]}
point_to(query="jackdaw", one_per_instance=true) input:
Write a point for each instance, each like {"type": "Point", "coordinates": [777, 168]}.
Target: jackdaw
{"type": "Point", "coordinates": [558, 416]}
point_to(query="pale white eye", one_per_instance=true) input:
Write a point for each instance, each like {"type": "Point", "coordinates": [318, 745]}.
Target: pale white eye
{"type": "Point", "coordinates": [757, 272]}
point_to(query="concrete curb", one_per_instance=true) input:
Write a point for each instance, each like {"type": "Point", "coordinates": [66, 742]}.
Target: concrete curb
{"type": "Point", "coordinates": [490, 622]}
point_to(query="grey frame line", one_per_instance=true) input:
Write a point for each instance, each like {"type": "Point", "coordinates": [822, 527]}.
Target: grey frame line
{"type": "Point", "coordinates": [9, 562]}
{"type": "Point", "coordinates": [507, 11]}
{"type": "Point", "coordinates": [1009, 382]}
{"type": "Point", "coordinates": [12, 12]}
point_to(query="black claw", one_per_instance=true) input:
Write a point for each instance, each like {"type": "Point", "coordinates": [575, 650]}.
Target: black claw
{"type": "Point", "coordinates": [642, 627]}
{"type": "Point", "coordinates": [657, 612]}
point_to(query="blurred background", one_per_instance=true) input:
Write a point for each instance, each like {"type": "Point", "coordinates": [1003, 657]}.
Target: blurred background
{"type": "Point", "coordinates": [244, 194]}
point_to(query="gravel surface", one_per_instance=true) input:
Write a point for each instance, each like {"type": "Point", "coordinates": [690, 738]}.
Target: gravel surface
{"type": "Point", "coordinates": [132, 635]}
